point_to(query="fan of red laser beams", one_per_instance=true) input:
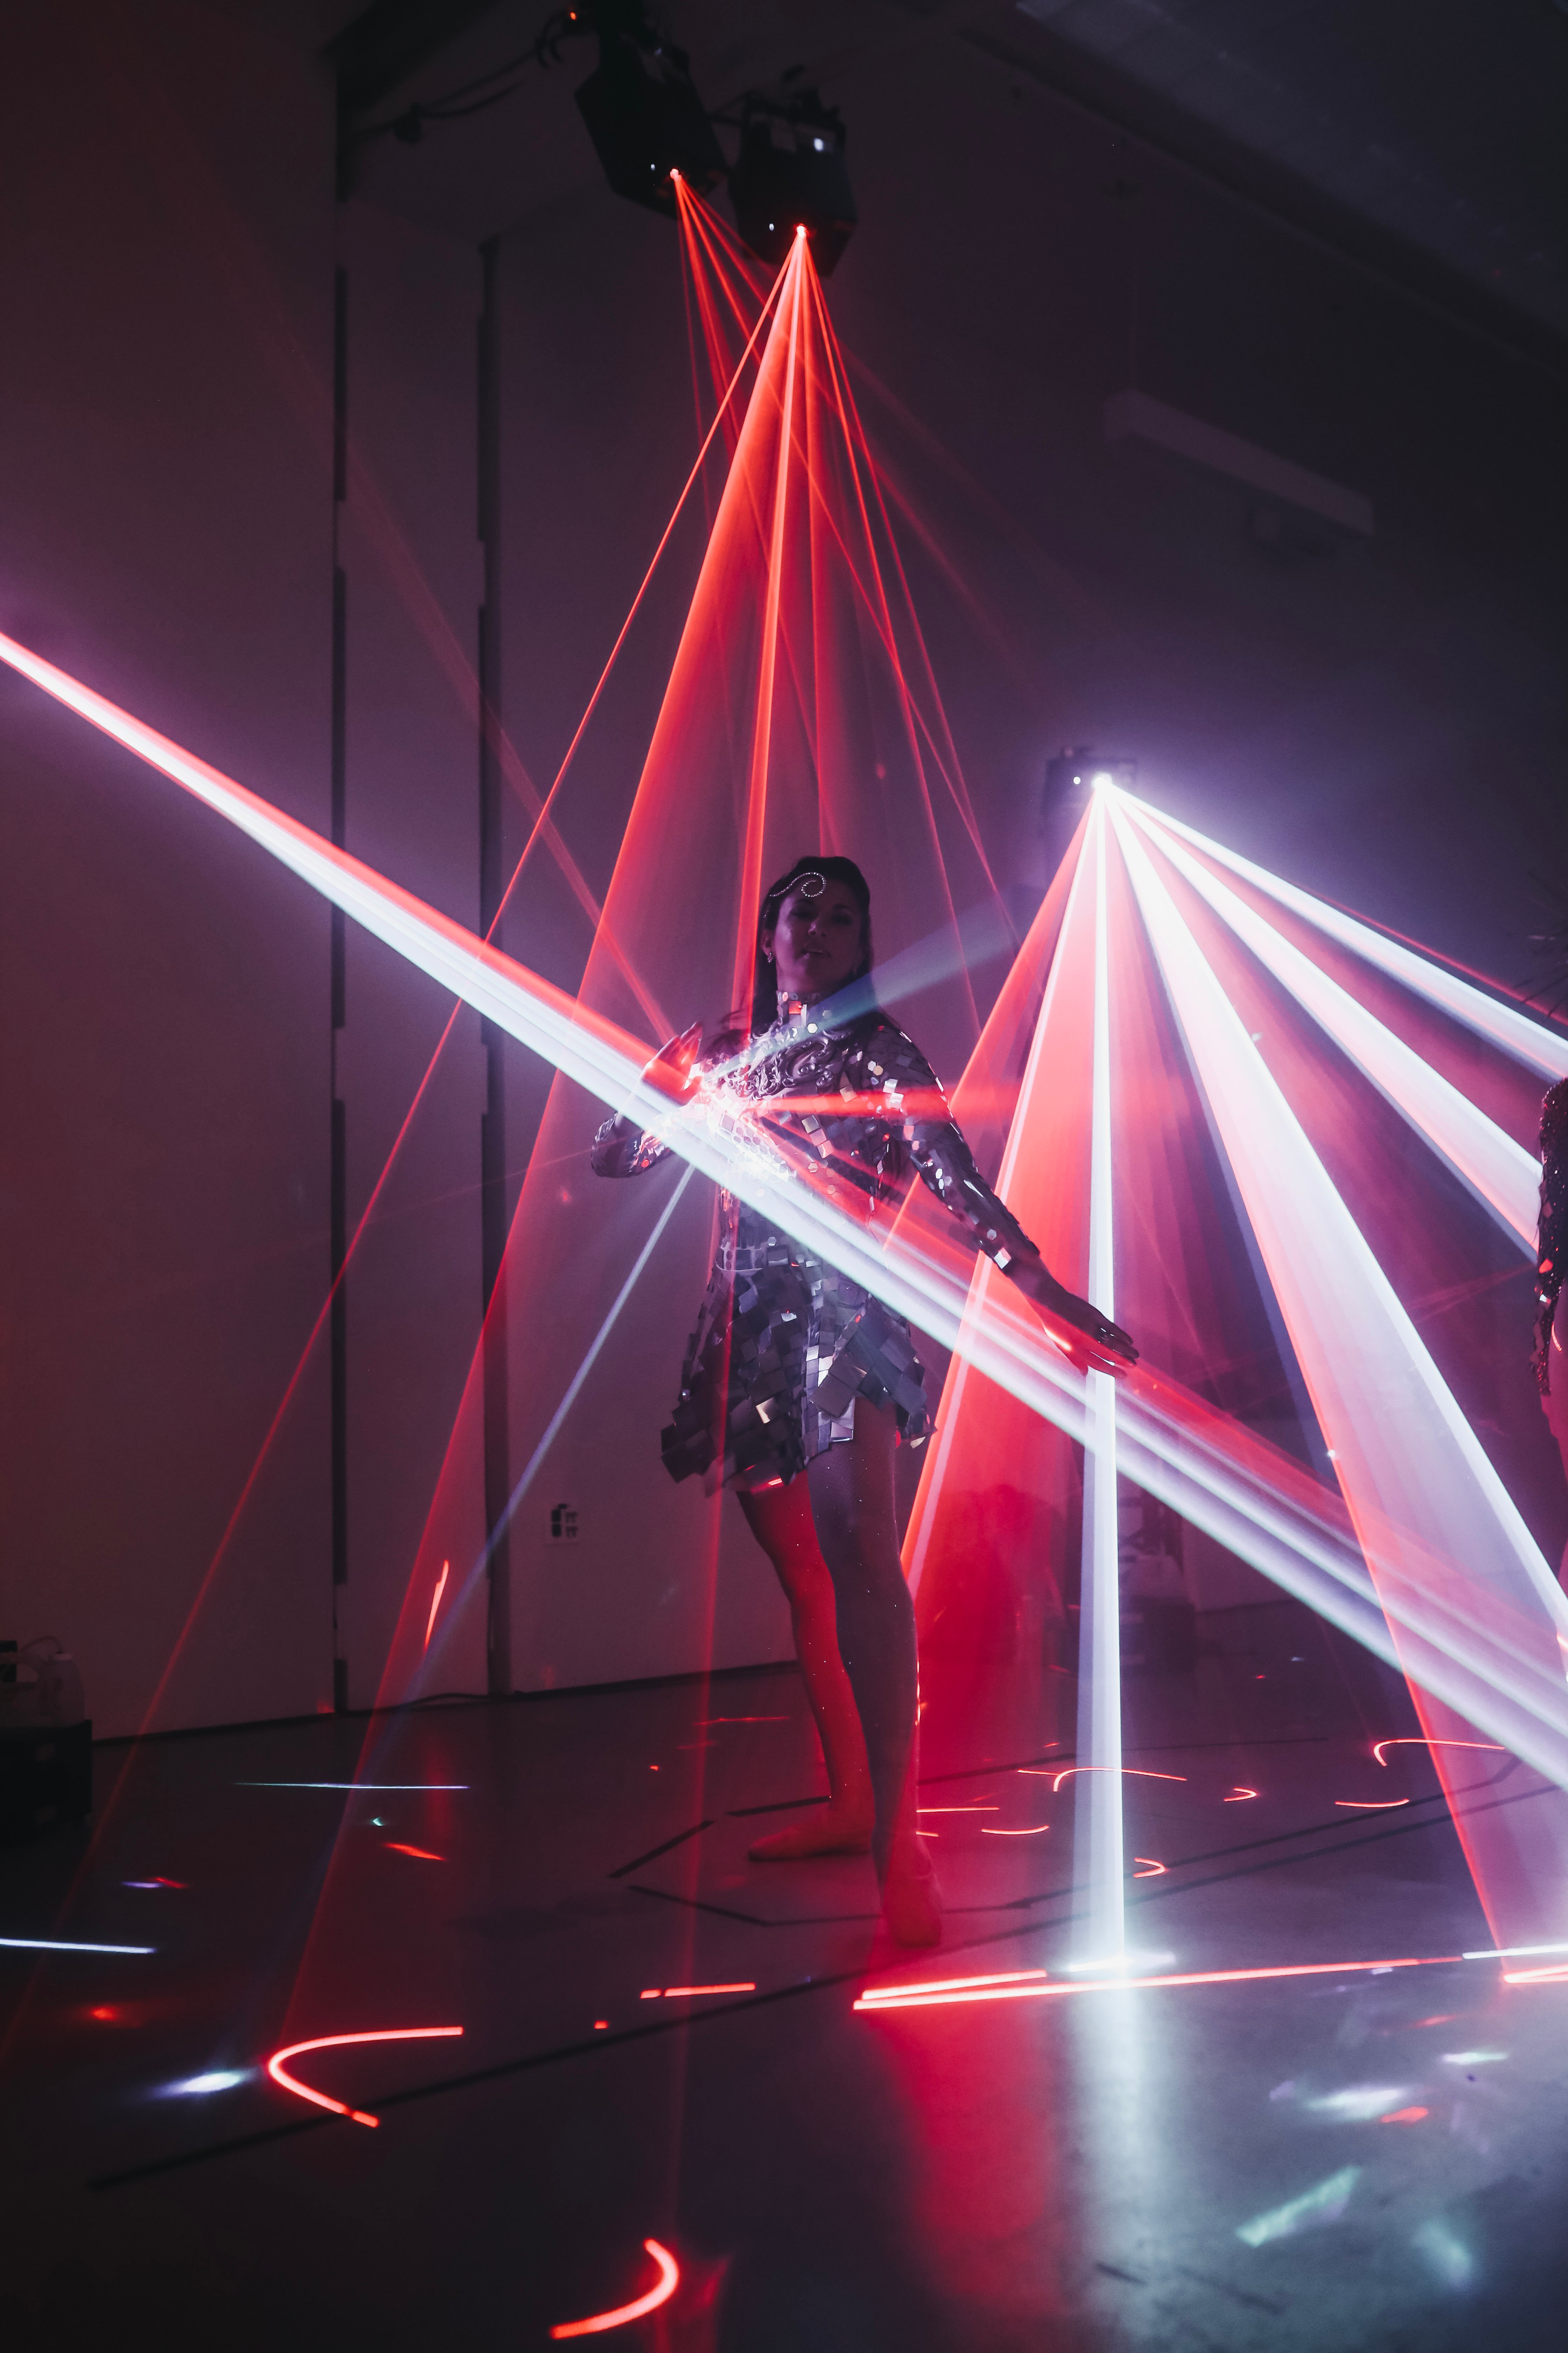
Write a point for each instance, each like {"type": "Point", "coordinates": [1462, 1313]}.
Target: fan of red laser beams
{"type": "Point", "coordinates": [727, 283]}
{"type": "Point", "coordinates": [725, 287]}
{"type": "Point", "coordinates": [787, 725]}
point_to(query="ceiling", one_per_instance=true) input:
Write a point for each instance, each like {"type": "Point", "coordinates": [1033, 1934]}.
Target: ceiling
{"type": "Point", "coordinates": [1440, 126]}
{"type": "Point", "coordinates": [1420, 139]}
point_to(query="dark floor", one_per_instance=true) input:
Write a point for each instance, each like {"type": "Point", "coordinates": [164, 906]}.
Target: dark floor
{"type": "Point", "coordinates": [1343, 2161]}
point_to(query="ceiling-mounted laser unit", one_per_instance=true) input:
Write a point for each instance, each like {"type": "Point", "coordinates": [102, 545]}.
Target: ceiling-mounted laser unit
{"type": "Point", "coordinates": [1072, 777]}
{"type": "Point", "coordinates": [643, 114]}
{"type": "Point", "coordinates": [791, 171]}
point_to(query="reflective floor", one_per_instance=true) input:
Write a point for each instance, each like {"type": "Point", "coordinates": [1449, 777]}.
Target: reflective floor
{"type": "Point", "coordinates": [1351, 2156]}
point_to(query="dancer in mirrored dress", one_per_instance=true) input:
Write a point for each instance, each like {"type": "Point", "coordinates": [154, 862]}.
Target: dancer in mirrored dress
{"type": "Point", "coordinates": [797, 1383]}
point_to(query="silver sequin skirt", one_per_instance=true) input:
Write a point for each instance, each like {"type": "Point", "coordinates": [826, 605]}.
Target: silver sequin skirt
{"type": "Point", "coordinates": [784, 1346]}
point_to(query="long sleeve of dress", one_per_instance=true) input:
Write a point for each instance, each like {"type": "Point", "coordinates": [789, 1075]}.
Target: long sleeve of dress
{"type": "Point", "coordinates": [896, 1119]}
{"type": "Point", "coordinates": [931, 1141]}
{"type": "Point", "coordinates": [621, 1150]}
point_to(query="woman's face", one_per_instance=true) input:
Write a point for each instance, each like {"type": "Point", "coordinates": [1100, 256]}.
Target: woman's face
{"type": "Point", "coordinates": [815, 943]}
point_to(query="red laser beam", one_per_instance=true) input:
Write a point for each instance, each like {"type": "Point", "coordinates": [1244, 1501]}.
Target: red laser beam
{"type": "Point", "coordinates": [668, 2281]}
{"type": "Point", "coordinates": [875, 1995]}
{"type": "Point", "coordinates": [938, 1995]}
{"type": "Point", "coordinates": [688, 1993]}
{"type": "Point", "coordinates": [1152, 1870]}
{"type": "Point", "coordinates": [436, 1601]}
{"type": "Point", "coordinates": [422, 1853]}
{"type": "Point", "coordinates": [278, 2067]}
{"type": "Point", "coordinates": [1238, 1796]}
{"type": "Point", "coordinates": [1404, 2117]}
{"type": "Point", "coordinates": [1372, 1805]}
{"type": "Point", "coordinates": [762, 733]}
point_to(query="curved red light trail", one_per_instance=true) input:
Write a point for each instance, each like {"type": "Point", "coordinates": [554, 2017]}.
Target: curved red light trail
{"type": "Point", "coordinates": [1152, 1870]}
{"type": "Point", "coordinates": [668, 2281]}
{"type": "Point", "coordinates": [1238, 1796]}
{"type": "Point", "coordinates": [1409, 1740]}
{"type": "Point", "coordinates": [1372, 1805]}
{"type": "Point", "coordinates": [1139, 1772]}
{"type": "Point", "coordinates": [277, 2066]}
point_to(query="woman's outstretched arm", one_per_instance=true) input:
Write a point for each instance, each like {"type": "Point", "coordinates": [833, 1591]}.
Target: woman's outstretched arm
{"type": "Point", "coordinates": [941, 1156]}
{"type": "Point", "coordinates": [621, 1147]}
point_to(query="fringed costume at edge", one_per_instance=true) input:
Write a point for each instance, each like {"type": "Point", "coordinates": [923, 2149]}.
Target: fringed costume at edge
{"type": "Point", "coordinates": [1550, 1356]}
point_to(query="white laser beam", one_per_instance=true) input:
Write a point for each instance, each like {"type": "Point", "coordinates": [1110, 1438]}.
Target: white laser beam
{"type": "Point", "coordinates": [1530, 1042]}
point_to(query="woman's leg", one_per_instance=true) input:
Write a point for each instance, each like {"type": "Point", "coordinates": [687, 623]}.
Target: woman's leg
{"type": "Point", "coordinates": [781, 1520]}
{"type": "Point", "coordinates": [856, 1527]}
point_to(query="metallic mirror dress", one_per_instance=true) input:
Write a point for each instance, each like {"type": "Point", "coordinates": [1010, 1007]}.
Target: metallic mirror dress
{"type": "Point", "coordinates": [784, 1344]}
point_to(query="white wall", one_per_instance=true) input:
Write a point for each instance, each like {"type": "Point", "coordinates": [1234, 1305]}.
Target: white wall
{"type": "Point", "coordinates": [410, 550]}
{"type": "Point", "coordinates": [165, 448]}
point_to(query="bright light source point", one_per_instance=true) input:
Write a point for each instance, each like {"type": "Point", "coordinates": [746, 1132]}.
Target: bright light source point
{"type": "Point", "coordinates": [219, 2079]}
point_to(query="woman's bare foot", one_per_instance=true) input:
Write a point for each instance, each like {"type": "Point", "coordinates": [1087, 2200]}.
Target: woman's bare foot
{"type": "Point", "coordinates": [912, 1899]}
{"type": "Point", "coordinates": [827, 1830]}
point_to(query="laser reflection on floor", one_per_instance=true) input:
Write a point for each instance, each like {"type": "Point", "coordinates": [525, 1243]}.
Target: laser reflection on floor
{"type": "Point", "coordinates": [668, 2281]}
{"type": "Point", "coordinates": [278, 2067]}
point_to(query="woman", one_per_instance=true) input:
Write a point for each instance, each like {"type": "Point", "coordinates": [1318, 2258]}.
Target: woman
{"type": "Point", "coordinates": [797, 1385]}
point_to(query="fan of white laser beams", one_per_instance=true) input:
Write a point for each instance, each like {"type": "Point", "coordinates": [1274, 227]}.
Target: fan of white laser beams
{"type": "Point", "coordinates": [1454, 1564]}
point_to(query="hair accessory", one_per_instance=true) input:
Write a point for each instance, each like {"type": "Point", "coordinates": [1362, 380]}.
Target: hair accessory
{"type": "Point", "coordinates": [810, 885]}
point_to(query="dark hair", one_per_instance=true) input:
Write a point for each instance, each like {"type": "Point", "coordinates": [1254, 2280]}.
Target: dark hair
{"type": "Point", "coordinates": [764, 982]}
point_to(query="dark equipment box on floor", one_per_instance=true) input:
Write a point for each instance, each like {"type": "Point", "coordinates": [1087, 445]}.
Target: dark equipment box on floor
{"type": "Point", "coordinates": [46, 1777]}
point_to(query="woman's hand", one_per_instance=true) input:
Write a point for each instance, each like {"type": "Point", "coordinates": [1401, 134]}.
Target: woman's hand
{"type": "Point", "coordinates": [1090, 1340]}
{"type": "Point", "coordinates": [672, 1070]}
